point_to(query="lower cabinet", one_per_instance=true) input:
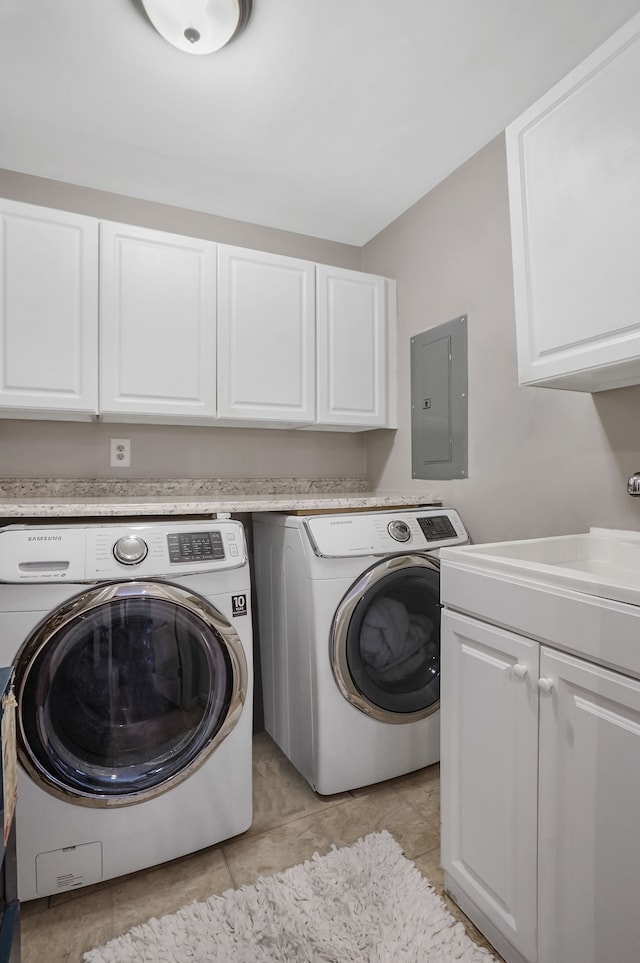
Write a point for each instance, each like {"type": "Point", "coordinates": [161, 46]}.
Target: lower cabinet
{"type": "Point", "coordinates": [489, 725]}
{"type": "Point", "coordinates": [540, 796]}
{"type": "Point", "coordinates": [589, 819]}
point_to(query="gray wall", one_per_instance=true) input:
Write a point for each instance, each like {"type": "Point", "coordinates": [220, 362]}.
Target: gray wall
{"type": "Point", "coordinates": [30, 449]}
{"type": "Point", "coordinates": [49, 449]}
{"type": "Point", "coordinates": [163, 217]}
{"type": "Point", "coordinates": [541, 461]}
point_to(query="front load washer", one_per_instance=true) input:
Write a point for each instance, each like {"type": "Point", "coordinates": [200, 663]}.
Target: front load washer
{"type": "Point", "coordinates": [349, 625]}
{"type": "Point", "coordinates": [132, 647]}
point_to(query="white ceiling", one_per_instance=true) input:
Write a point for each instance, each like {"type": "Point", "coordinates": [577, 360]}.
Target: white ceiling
{"type": "Point", "coordinates": [324, 117]}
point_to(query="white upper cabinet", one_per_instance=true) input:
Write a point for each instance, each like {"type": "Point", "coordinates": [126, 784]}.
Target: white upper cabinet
{"type": "Point", "coordinates": [157, 325]}
{"type": "Point", "coordinates": [351, 343]}
{"type": "Point", "coordinates": [574, 186]}
{"type": "Point", "coordinates": [266, 327]}
{"type": "Point", "coordinates": [180, 330]}
{"type": "Point", "coordinates": [48, 313]}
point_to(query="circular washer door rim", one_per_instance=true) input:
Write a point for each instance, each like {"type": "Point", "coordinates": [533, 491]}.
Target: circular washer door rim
{"type": "Point", "coordinates": [94, 598]}
{"type": "Point", "coordinates": [340, 628]}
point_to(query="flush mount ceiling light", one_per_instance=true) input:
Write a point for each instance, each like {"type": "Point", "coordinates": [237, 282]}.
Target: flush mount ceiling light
{"type": "Point", "coordinates": [197, 26]}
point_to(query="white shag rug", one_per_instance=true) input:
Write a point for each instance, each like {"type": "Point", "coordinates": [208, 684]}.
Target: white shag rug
{"type": "Point", "coordinates": [364, 903]}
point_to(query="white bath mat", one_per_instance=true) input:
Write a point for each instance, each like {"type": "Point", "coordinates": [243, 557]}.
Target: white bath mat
{"type": "Point", "coordinates": [365, 902]}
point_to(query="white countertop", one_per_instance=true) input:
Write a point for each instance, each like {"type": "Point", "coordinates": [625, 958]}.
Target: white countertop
{"type": "Point", "coordinates": [103, 505]}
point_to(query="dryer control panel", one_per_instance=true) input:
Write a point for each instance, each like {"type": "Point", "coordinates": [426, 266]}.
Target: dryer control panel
{"type": "Point", "coordinates": [384, 533]}
{"type": "Point", "coordinates": [91, 553]}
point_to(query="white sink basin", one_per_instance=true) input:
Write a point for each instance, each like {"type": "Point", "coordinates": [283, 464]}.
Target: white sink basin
{"type": "Point", "coordinates": [602, 562]}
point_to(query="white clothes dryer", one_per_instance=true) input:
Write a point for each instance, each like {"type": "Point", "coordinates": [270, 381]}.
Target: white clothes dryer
{"type": "Point", "coordinates": [132, 647]}
{"type": "Point", "coordinates": [349, 626]}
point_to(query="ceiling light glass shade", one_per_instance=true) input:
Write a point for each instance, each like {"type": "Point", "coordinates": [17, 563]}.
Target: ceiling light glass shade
{"type": "Point", "coordinates": [197, 26]}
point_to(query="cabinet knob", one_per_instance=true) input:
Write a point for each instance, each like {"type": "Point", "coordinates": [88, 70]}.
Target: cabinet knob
{"type": "Point", "coordinates": [519, 670]}
{"type": "Point", "coordinates": [545, 685]}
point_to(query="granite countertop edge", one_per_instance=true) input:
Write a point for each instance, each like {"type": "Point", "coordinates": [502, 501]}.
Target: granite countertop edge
{"type": "Point", "coordinates": [117, 505]}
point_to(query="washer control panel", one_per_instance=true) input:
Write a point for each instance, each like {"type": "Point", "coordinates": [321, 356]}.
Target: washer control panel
{"type": "Point", "coordinates": [436, 528]}
{"type": "Point", "coordinates": [90, 553]}
{"type": "Point", "coordinates": [195, 546]}
{"type": "Point", "coordinates": [384, 533]}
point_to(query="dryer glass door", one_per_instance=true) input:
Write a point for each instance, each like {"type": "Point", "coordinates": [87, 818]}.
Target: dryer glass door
{"type": "Point", "coordinates": [385, 640]}
{"type": "Point", "coordinates": [124, 690]}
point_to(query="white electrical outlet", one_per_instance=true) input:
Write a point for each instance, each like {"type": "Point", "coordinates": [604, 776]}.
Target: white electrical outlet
{"type": "Point", "coordinates": [121, 453]}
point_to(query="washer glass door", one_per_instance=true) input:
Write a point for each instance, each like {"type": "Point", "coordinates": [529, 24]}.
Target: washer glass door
{"type": "Point", "coordinates": [124, 690]}
{"type": "Point", "coordinates": [385, 639]}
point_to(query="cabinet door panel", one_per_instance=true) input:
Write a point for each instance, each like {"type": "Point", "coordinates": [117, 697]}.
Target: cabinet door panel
{"type": "Point", "coordinates": [574, 185]}
{"type": "Point", "coordinates": [266, 324]}
{"type": "Point", "coordinates": [489, 773]}
{"type": "Point", "coordinates": [589, 814]}
{"type": "Point", "coordinates": [157, 323]}
{"type": "Point", "coordinates": [351, 342]}
{"type": "Point", "coordinates": [48, 310]}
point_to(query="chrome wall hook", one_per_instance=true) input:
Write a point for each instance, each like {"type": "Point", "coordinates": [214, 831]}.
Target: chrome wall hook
{"type": "Point", "coordinates": [633, 484]}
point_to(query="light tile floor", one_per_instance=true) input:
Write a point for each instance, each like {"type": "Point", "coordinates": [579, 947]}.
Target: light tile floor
{"type": "Point", "coordinates": [290, 823]}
